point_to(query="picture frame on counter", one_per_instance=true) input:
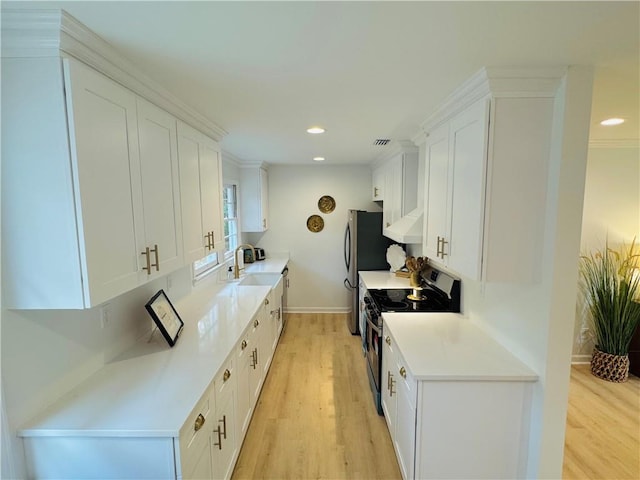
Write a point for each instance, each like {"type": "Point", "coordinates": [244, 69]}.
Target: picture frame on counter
{"type": "Point", "coordinates": [165, 316]}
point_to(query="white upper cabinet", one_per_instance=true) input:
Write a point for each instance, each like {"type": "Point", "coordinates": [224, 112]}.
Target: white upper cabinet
{"type": "Point", "coordinates": [106, 169]}
{"type": "Point", "coordinates": [378, 178]}
{"type": "Point", "coordinates": [435, 190]}
{"type": "Point", "coordinates": [396, 183]}
{"type": "Point", "coordinates": [160, 190]}
{"type": "Point", "coordinates": [454, 187]}
{"type": "Point", "coordinates": [201, 190]}
{"type": "Point", "coordinates": [90, 182]}
{"type": "Point", "coordinates": [491, 138]}
{"type": "Point", "coordinates": [84, 208]}
{"type": "Point", "coordinates": [254, 199]}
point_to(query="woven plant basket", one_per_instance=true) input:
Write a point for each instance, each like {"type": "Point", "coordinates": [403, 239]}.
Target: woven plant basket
{"type": "Point", "coordinates": [613, 368]}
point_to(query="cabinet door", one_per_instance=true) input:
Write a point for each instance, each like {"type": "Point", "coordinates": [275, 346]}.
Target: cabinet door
{"type": "Point", "coordinates": [200, 193]}
{"type": "Point", "coordinates": [211, 192]}
{"type": "Point", "coordinates": [387, 206]}
{"type": "Point", "coordinates": [378, 178]}
{"type": "Point", "coordinates": [435, 191]}
{"type": "Point", "coordinates": [223, 438]}
{"type": "Point", "coordinates": [397, 176]}
{"type": "Point", "coordinates": [405, 437]}
{"type": "Point", "coordinates": [160, 188]}
{"type": "Point", "coordinates": [257, 358]}
{"type": "Point", "coordinates": [244, 380]}
{"type": "Point", "coordinates": [202, 468]}
{"type": "Point", "coordinates": [189, 164]}
{"type": "Point", "coordinates": [254, 195]}
{"type": "Point", "coordinates": [106, 168]}
{"type": "Point", "coordinates": [264, 198]}
{"type": "Point", "coordinates": [468, 136]}
{"type": "Point", "coordinates": [389, 385]}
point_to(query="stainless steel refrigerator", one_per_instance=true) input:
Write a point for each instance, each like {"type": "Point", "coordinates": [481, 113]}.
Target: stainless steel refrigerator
{"type": "Point", "coordinates": [365, 248]}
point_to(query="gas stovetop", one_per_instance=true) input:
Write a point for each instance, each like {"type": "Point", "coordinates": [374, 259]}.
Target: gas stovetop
{"type": "Point", "coordinates": [440, 292]}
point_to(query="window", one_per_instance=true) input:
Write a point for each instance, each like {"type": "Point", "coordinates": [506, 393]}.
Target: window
{"type": "Point", "coordinates": [230, 209]}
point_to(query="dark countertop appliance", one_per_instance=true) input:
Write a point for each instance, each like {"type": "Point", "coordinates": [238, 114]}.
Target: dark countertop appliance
{"type": "Point", "coordinates": [440, 292]}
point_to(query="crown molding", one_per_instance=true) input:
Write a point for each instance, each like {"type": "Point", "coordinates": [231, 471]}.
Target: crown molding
{"type": "Point", "coordinates": [615, 143]}
{"type": "Point", "coordinates": [51, 33]}
{"type": "Point", "coordinates": [505, 82]}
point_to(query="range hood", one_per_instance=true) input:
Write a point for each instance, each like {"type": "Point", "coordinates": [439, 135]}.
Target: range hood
{"type": "Point", "coordinates": [408, 229]}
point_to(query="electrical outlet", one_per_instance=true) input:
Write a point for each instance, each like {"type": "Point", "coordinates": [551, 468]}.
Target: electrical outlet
{"type": "Point", "coordinates": [105, 315]}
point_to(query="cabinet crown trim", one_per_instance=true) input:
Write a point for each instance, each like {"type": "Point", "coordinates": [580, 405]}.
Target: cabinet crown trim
{"type": "Point", "coordinates": [511, 82]}
{"type": "Point", "coordinates": [53, 33]}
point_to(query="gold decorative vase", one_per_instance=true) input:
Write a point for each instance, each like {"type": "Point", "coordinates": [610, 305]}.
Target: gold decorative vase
{"type": "Point", "coordinates": [613, 368]}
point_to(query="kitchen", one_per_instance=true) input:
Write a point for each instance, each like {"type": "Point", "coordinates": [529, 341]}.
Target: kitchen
{"type": "Point", "coordinates": [76, 339]}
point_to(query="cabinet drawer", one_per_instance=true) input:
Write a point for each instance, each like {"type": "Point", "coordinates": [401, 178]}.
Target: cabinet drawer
{"type": "Point", "coordinates": [225, 377]}
{"type": "Point", "coordinates": [195, 431]}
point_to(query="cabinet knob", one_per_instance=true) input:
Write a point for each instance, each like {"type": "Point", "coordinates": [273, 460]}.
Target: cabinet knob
{"type": "Point", "coordinates": [403, 372]}
{"type": "Point", "coordinates": [388, 340]}
{"type": "Point", "coordinates": [199, 422]}
{"type": "Point", "coordinates": [266, 301]}
{"type": "Point", "coordinates": [243, 345]}
{"type": "Point", "coordinates": [256, 322]}
{"type": "Point", "coordinates": [226, 375]}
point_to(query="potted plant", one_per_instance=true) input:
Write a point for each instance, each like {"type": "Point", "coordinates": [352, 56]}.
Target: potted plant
{"type": "Point", "coordinates": [612, 287]}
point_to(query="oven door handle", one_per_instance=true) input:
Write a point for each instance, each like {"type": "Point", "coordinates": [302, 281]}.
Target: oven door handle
{"type": "Point", "coordinates": [374, 326]}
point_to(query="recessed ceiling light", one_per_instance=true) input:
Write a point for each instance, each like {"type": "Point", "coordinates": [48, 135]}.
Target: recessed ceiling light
{"type": "Point", "coordinates": [318, 159]}
{"type": "Point", "coordinates": [315, 130]}
{"type": "Point", "coordinates": [612, 121]}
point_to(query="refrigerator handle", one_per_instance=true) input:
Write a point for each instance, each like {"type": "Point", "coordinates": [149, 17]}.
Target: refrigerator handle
{"type": "Point", "coordinates": [347, 247]}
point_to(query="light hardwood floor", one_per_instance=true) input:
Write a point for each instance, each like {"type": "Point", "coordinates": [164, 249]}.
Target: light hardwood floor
{"type": "Point", "coordinates": [315, 417]}
{"type": "Point", "coordinates": [603, 428]}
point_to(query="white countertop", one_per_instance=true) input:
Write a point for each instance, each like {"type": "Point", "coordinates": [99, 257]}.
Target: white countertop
{"type": "Point", "coordinates": [448, 347]}
{"type": "Point", "coordinates": [383, 279]}
{"type": "Point", "coordinates": [151, 389]}
{"type": "Point", "coordinates": [268, 265]}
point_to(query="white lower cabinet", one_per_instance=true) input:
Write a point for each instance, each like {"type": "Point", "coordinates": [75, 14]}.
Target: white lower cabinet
{"type": "Point", "coordinates": [454, 428]}
{"type": "Point", "coordinates": [195, 440]}
{"type": "Point", "coordinates": [205, 447]}
{"type": "Point", "coordinates": [245, 362]}
{"type": "Point", "coordinates": [224, 444]}
{"type": "Point", "coordinates": [273, 312]}
{"type": "Point", "coordinates": [398, 405]}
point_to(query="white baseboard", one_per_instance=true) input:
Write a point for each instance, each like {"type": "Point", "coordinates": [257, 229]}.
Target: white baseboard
{"type": "Point", "coordinates": [580, 359]}
{"type": "Point", "coordinates": [317, 310]}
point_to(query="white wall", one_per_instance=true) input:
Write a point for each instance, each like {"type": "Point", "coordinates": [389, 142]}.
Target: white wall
{"type": "Point", "coordinates": [611, 213]}
{"type": "Point", "coordinates": [316, 266]}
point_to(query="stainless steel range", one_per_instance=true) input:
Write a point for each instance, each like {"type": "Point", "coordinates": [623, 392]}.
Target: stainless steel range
{"type": "Point", "coordinates": [439, 292]}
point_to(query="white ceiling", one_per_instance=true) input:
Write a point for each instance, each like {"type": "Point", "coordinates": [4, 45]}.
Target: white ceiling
{"type": "Point", "coordinates": [265, 71]}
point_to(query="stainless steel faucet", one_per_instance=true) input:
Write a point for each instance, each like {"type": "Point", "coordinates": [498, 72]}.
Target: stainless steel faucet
{"type": "Point", "coordinates": [236, 268]}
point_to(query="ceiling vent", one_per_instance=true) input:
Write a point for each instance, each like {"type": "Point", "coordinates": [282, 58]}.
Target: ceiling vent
{"type": "Point", "coordinates": [381, 142]}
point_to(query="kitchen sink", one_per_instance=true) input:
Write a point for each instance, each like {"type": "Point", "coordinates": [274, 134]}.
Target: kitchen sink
{"type": "Point", "coordinates": [266, 279]}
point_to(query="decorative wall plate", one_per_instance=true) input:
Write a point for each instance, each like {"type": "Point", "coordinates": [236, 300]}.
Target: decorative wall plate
{"type": "Point", "coordinates": [326, 204]}
{"type": "Point", "coordinates": [315, 223]}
